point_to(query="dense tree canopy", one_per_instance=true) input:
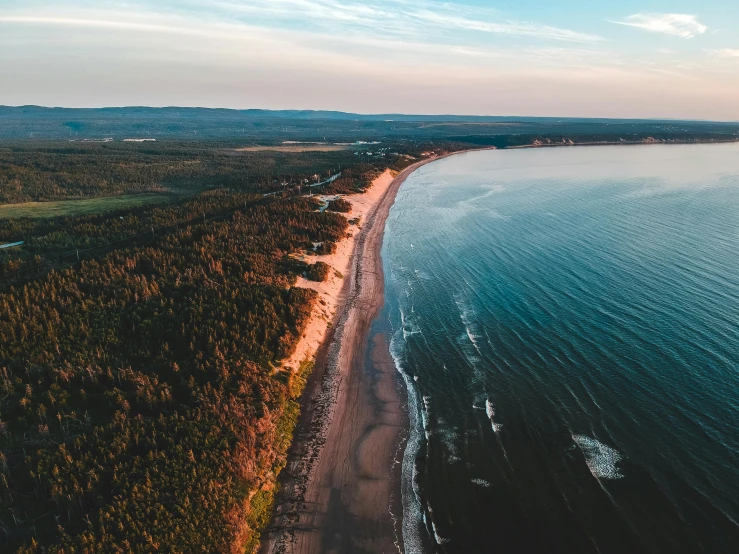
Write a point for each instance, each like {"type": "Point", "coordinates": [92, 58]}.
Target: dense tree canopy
{"type": "Point", "coordinates": [140, 409]}
{"type": "Point", "coordinates": [42, 171]}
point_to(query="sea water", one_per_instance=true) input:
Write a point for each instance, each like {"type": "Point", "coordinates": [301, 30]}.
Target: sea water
{"type": "Point", "coordinates": [566, 322]}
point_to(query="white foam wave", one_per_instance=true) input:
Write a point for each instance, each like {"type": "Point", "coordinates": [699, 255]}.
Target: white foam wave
{"type": "Point", "coordinates": [408, 325]}
{"type": "Point", "coordinates": [437, 537]}
{"type": "Point", "coordinates": [481, 483]}
{"type": "Point", "coordinates": [490, 410]}
{"type": "Point", "coordinates": [479, 403]}
{"type": "Point", "coordinates": [425, 410]}
{"type": "Point", "coordinates": [467, 315]}
{"type": "Point", "coordinates": [448, 436]}
{"type": "Point", "coordinates": [602, 460]}
{"type": "Point", "coordinates": [413, 514]}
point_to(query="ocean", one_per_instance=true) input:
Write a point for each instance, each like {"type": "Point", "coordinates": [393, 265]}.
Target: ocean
{"type": "Point", "coordinates": [566, 322]}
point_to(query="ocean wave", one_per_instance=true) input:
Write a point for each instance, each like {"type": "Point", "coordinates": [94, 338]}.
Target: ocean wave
{"type": "Point", "coordinates": [481, 483]}
{"type": "Point", "coordinates": [425, 411]}
{"type": "Point", "coordinates": [408, 325]}
{"type": "Point", "coordinates": [490, 190]}
{"type": "Point", "coordinates": [422, 275]}
{"type": "Point", "coordinates": [468, 317]}
{"type": "Point", "coordinates": [490, 410]}
{"type": "Point", "coordinates": [602, 460]}
{"type": "Point", "coordinates": [439, 539]}
{"type": "Point", "coordinates": [413, 514]}
{"type": "Point", "coordinates": [449, 436]}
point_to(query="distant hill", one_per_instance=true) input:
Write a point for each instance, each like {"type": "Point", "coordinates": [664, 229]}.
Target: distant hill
{"type": "Point", "coordinates": [252, 114]}
{"type": "Point", "coordinates": [265, 125]}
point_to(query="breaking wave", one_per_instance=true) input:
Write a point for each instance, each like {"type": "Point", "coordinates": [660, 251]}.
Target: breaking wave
{"type": "Point", "coordinates": [490, 410]}
{"type": "Point", "coordinates": [602, 460]}
{"type": "Point", "coordinates": [413, 515]}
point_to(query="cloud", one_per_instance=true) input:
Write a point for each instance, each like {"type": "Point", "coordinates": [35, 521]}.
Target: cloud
{"type": "Point", "coordinates": [726, 53]}
{"type": "Point", "coordinates": [411, 16]}
{"type": "Point", "coordinates": [84, 22]}
{"type": "Point", "coordinates": [402, 19]}
{"type": "Point", "coordinates": [511, 28]}
{"type": "Point", "coordinates": [677, 24]}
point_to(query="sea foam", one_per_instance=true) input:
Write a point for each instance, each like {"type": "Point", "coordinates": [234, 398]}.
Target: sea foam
{"type": "Point", "coordinates": [602, 460]}
{"type": "Point", "coordinates": [413, 514]}
{"type": "Point", "coordinates": [439, 539]}
{"type": "Point", "coordinates": [490, 410]}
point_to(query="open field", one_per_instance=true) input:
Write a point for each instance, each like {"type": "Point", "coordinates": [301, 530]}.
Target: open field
{"type": "Point", "coordinates": [295, 148]}
{"type": "Point", "coordinates": [79, 207]}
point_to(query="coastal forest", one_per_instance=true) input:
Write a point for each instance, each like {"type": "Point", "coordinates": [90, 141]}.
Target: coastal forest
{"type": "Point", "coordinates": [143, 406]}
{"type": "Point", "coordinates": [41, 171]}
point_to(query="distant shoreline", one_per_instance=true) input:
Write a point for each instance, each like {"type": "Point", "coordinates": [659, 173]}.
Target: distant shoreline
{"type": "Point", "coordinates": [620, 143]}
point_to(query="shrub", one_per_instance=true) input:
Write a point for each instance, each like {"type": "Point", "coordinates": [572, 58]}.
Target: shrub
{"type": "Point", "coordinates": [318, 272]}
{"type": "Point", "coordinates": [340, 205]}
{"type": "Point", "coordinates": [326, 247]}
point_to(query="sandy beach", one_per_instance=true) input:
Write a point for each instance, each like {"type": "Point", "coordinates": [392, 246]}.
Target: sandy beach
{"type": "Point", "coordinates": [340, 481]}
{"type": "Point", "coordinates": [332, 292]}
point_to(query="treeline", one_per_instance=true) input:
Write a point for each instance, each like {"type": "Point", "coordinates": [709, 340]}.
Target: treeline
{"type": "Point", "coordinates": [47, 239]}
{"type": "Point", "coordinates": [196, 123]}
{"type": "Point", "coordinates": [140, 409]}
{"type": "Point", "coordinates": [355, 179]}
{"type": "Point", "coordinates": [54, 171]}
{"type": "Point", "coordinates": [42, 171]}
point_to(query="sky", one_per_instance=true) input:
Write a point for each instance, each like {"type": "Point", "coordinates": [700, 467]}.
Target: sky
{"type": "Point", "coordinates": [576, 58]}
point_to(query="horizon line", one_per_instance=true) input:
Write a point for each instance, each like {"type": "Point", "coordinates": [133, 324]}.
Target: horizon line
{"type": "Point", "coordinates": [365, 114]}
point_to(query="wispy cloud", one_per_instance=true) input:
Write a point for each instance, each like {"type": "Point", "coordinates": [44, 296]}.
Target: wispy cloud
{"type": "Point", "coordinates": [512, 28]}
{"type": "Point", "coordinates": [677, 24]}
{"type": "Point", "coordinates": [726, 53]}
{"type": "Point", "coordinates": [85, 22]}
{"type": "Point", "coordinates": [456, 22]}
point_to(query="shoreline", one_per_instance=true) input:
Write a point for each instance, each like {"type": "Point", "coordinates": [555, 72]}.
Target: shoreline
{"type": "Point", "coordinates": [620, 143]}
{"type": "Point", "coordinates": [342, 474]}
{"type": "Point", "coordinates": [335, 489]}
{"type": "Point", "coordinates": [341, 488]}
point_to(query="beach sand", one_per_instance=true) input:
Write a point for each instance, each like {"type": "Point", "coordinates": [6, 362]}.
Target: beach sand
{"type": "Point", "coordinates": [332, 293]}
{"type": "Point", "coordinates": [341, 481]}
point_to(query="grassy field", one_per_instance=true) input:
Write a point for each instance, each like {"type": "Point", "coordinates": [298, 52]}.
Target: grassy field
{"type": "Point", "coordinates": [79, 207]}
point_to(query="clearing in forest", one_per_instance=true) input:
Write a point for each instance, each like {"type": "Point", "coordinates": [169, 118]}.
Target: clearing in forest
{"type": "Point", "coordinates": [79, 207]}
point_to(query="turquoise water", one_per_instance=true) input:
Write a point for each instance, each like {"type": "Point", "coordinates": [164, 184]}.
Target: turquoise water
{"type": "Point", "coordinates": [567, 323]}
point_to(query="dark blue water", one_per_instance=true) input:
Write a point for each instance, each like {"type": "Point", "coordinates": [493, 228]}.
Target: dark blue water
{"type": "Point", "coordinates": [567, 321]}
